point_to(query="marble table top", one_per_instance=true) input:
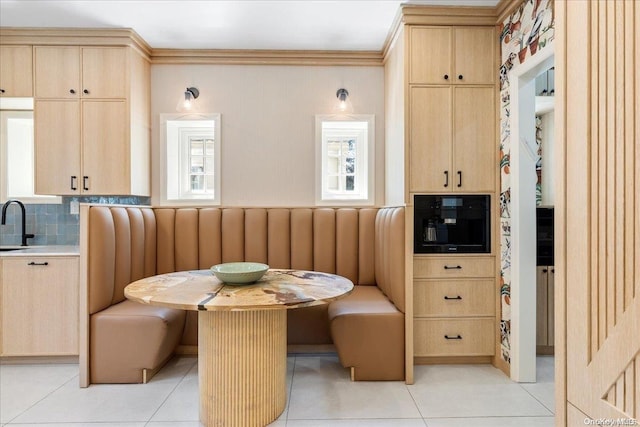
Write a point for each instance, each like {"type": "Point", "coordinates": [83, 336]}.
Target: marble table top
{"type": "Point", "coordinates": [201, 290]}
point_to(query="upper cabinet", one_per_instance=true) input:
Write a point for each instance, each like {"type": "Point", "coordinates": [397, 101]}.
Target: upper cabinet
{"type": "Point", "coordinates": [92, 121]}
{"type": "Point", "coordinates": [452, 55]}
{"type": "Point", "coordinates": [16, 71]}
{"type": "Point", "coordinates": [72, 72]}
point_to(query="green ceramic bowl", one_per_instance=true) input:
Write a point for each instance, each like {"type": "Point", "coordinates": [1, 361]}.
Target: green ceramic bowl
{"type": "Point", "coordinates": [239, 272]}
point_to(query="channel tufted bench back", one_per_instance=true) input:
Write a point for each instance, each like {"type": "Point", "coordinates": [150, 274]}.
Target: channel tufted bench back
{"type": "Point", "coordinates": [125, 244]}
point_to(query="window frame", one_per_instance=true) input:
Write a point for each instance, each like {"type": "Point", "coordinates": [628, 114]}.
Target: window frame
{"type": "Point", "coordinates": [365, 149]}
{"type": "Point", "coordinates": [179, 154]}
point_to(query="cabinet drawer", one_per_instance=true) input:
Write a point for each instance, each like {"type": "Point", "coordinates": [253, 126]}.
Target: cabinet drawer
{"type": "Point", "coordinates": [454, 298]}
{"type": "Point", "coordinates": [454, 337]}
{"type": "Point", "coordinates": [453, 267]}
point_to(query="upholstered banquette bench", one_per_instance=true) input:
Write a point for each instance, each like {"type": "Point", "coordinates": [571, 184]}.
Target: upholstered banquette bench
{"type": "Point", "coordinates": [127, 342]}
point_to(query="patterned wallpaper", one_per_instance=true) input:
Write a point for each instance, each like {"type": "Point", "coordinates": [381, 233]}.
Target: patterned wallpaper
{"type": "Point", "coordinates": [529, 29]}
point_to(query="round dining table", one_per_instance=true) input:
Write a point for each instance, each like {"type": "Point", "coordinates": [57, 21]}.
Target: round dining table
{"type": "Point", "coordinates": [242, 335]}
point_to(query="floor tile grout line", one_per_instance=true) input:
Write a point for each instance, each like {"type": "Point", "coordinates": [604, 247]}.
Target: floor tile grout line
{"type": "Point", "coordinates": [289, 393]}
{"type": "Point", "coordinates": [171, 392]}
{"type": "Point", "coordinates": [538, 400]}
{"type": "Point", "coordinates": [44, 397]}
{"type": "Point", "coordinates": [414, 402]}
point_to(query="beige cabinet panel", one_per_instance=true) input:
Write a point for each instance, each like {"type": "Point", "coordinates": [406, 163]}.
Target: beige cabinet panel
{"type": "Point", "coordinates": [430, 55]}
{"type": "Point", "coordinates": [39, 306]}
{"type": "Point", "coordinates": [16, 71]}
{"type": "Point", "coordinates": [57, 147]}
{"type": "Point", "coordinates": [430, 139]}
{"type": "Point", "coordinates": [545, 323]}
{"type": "Point", "coordinates": [453, 267]}
{"type": "Point", "coordinates": [105, 153]}
{"type": "Point", "coordinates": [474, 55]}
{"type": "Point", "coordinates": [475, 153]}
{"type": "Point", "coordinates": [104, 72]}
{"type": "Point", "coordinates": [57, 71]}
{"type": "Point", "coordinates": [454, 337]}
{"type": "Point", "coordinates": [445, 298]}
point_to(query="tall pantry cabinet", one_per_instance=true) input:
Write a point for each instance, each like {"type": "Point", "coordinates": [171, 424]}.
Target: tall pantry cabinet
{"type": "Point", "coordinates": [443, 116]}
{"type": "Point", "coordinates": [91, 115]}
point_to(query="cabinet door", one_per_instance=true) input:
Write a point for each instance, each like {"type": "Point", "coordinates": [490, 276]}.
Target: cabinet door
{"type": "Point", "coordinates": [57, 72]}
{"type": "Point", "coordinates": [430, 139]}
{"type": "Point", "coordinates": [475, 157]}
{"type": "Point", "coordinates": [105, 149]}
{"type": "Point", "coordinates": [475, 61]}
{"type": "Point", "coordinates": [16, 71]}
{"type": "Point", "coordinates": [57, 147]}
{"type": "Point", "coordinates": [430, 55]}
{"type": "Point", "coordinates": [104, 72]}
{"type": "Point", "coordinates": [542, 313]}
{"type": "Point", "coordinates": [39, 306]}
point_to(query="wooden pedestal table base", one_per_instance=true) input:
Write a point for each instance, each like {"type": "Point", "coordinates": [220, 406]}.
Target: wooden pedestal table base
{"type": "Point", "coordinates": [242, 365]}
{"type": "Point", "coordinates": [242, 335]}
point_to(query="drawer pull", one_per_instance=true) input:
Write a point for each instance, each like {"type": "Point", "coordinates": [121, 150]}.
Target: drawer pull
{"type": "Point", "coordinates": [457, 267]}
{"type": "Point", "coordinates": [457, 337]}
{"type": "Point", "coordinates": [38, 263]}
{"type": "Point", "coordinates": [450, 298]}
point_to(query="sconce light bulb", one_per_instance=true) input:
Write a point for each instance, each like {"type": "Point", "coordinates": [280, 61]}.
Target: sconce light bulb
{"type": "Point", "coordinates": [342, 105]}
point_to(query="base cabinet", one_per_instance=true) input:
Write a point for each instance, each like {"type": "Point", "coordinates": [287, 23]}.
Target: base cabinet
{"type": "Point", "coordinates": [39, 306]}
{"type": "Point", "coordinates": [544, 309]}
{"type": "Point", "coordinates": [454, 306]}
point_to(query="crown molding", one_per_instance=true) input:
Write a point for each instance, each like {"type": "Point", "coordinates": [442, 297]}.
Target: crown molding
{"type": "Point", "coordinates": [415, 14]}
{"type": "Point", "coordinates": [266, 57]}
{"type": "Point", "coordinates": [506, 8]}
{"type": "Point", "coordinates": [75, 36]}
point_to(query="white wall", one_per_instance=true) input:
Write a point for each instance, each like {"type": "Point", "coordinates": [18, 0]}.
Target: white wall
{"type": "Point", "coordinates": [394, 110]}
{"type": "Point", "coordinates": [267, 114]}
{"type": "Point", "coordinates": [548, 159]}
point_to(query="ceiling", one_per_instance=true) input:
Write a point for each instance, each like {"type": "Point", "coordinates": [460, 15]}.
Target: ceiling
{"type": "Point", "coordinates": [218, 24]}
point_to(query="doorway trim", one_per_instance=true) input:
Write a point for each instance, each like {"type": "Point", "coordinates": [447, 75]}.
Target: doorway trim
{"type": "Point", "coordinates": [523, 219]}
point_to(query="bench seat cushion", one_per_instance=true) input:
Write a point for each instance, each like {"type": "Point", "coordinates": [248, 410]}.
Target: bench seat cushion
{"type": "Point", "coordinates": [368, 332]}
{"type": "Point", "coordinates": [128, 337]}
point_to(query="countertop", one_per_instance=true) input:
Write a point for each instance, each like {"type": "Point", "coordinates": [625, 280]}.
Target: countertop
{"type": "Point", "coordinates": [47, 250]}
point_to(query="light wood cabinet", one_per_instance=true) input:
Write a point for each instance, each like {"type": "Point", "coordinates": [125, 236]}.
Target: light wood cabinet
{"type": "Point", "coordinates": [452, 139]}
{"type": "Point", "coordinates": [454, 306]}
{"type": "Point", "coordinates": [545, 323]}
{"type": "Point", "coordinates": [74, 72]}
{"type": "Point", "coordinates": [452, 55]}
{"type": "Point", "coordinates": [93, 101]}
{"type": "Point", "coordinates": [39, 306]}
{"type": "Point", "coordinates": [16, 71]}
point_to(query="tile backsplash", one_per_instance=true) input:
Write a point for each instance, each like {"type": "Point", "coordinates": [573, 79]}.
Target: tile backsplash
{"type": "Point", "coordinates": [53, 224]}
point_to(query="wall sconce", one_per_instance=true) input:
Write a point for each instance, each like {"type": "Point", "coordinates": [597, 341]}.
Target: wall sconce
{"type": "Point", "coordinates": [344, 104]}
{"type": "Point", "coordinates": [185, 103]}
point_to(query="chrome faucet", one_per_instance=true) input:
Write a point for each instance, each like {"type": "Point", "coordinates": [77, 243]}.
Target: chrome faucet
{"type": "Point", "coordinates": [25, 236]}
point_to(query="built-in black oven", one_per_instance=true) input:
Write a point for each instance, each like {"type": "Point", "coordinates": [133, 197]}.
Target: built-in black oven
{"type": "Point", "coordinates": [452, 224]}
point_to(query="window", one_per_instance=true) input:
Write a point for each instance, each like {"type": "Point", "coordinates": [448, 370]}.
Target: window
{"type": "Point", "coordinates": [16, 156]}
{"type": "Point", "coordinates": [190, 159]}
{"type": "Point", "coordinates": [345, 158]}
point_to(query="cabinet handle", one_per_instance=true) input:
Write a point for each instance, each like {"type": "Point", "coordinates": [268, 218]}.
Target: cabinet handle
{"type": "Point", "coordinates": [459, 178]}
{"type": "Point", "coordinates": [72, 91]}
{"type": "Point", "coordinates": [457, 337]}
{"type": "Point", "coordinates": [86, 91]}
{"type": "Point", "coordinates": [73, 183]}
{"type": "Point", "coordinates": [85, 179]}
{"type": "Point", "coordinates": [446, 76]}
{"type": "Point", "coordinates": [544, 270]}
{"type": "Point", "coordinates": [450, 298]}
{"type": "Point", "coordinates": [457, 267]}
{"type": "Point", "coordinates": [38, 263]}
{"type": "Point", "coordinates": [1, 90]}
{"type": "Point", "coordinates": [460, 77]}
{"type": "Point", "coordinates": [446, 178]}
{"type": "Point", "coordinates": [553, 271]}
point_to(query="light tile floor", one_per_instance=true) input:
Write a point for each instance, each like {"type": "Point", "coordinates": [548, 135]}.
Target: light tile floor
{"type": "Point", "coordinates": [320, 394]}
